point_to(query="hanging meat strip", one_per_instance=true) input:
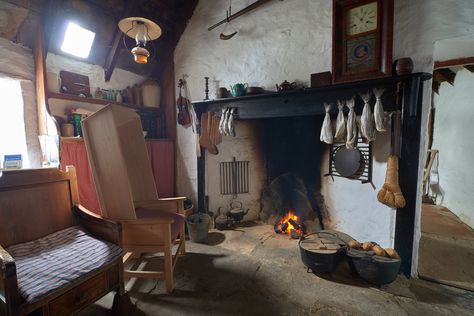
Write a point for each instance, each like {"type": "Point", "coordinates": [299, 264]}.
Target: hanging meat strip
{"type": "Point", "coordinates": [351, 128]}
{"type": "Point", "coordinates": [378, 110]}
{"type": "Point", "coordinates": [326, 129]}
{"type": "Point", "coordinates": [367, 129]}
{"type": "Point", "coordinates": [340, 122]}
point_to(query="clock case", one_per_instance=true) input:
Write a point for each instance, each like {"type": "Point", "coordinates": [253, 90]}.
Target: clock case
{"type": "Point", "coordinates": [383, 45]}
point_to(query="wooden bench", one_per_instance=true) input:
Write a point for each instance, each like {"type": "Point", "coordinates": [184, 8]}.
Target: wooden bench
{"type": "Point", "coordinates": [38, 204]}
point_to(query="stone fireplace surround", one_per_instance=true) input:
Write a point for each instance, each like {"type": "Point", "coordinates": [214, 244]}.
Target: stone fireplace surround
{"type": "Point", "coordinates": [402, 92]}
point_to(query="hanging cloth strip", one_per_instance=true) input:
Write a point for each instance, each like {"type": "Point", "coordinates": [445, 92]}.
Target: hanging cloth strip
{"type": "Point", "coordinates": [379, 114]}
{"type": "Point", "coordinates": [340, 122]}
{"type": "Point", "coordinates": [351, 128]}
{"type": "Point", "coordinates": [326, 129]}
{"type": "Point", "coordinates": [367, 129]}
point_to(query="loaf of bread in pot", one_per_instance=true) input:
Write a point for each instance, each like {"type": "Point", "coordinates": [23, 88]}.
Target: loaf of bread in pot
{"type": "Point", "coordinates": [392, 253]}
{"type": "Point", "coordinates": [367, 246]}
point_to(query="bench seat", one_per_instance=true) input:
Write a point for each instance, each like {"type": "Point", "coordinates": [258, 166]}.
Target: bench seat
{"type": "Point", "coordinates": [49, 263]}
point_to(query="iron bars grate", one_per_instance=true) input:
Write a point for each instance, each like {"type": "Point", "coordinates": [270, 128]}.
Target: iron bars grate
{"type": "Point", "coordinates": [234, 177]}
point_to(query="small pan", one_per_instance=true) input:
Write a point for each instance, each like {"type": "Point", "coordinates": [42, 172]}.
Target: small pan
{"type": "Point", "coordinates": [348, 162]}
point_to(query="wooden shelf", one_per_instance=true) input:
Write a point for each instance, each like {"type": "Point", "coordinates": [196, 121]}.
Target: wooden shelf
{"type": "Point", "coordinates": [70, 97]}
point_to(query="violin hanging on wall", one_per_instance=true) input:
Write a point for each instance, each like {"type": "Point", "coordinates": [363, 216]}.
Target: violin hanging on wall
{"type": "Point", "coordinates": [184, 118]}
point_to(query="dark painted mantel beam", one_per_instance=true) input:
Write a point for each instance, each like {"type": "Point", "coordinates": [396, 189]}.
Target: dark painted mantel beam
{"type": "Point", "coordinates": [305, 102]}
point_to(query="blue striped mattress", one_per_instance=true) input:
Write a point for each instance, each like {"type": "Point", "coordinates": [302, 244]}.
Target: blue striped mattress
{"type": "Point", "coordinates": [47, 264]}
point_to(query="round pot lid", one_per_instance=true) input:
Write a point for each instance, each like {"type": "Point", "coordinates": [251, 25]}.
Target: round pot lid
{"type": "Point", "coordinates": [127, 26]}
{"type": "Point", "coordinates": [347, 162]}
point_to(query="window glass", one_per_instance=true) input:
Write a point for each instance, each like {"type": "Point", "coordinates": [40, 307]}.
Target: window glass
{"type": "Point", "coordinates": [12, 123]}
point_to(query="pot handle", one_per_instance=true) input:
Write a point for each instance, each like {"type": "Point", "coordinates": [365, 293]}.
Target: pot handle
{"type": "Point", "coordinates": [238, 202]}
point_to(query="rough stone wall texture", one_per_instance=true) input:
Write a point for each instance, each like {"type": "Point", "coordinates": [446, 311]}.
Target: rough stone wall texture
{"type": "Point", "coordinates": [120, 78]}
{"type": "Point", "coordinates": [452, 137]}
{"type": "Point", "coordinates": [289, 40]}
{"type": "Point", "coordinates": [17, 62]}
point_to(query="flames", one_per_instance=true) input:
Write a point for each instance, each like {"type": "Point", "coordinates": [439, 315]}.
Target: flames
{"type": "Point", "coordinates": [288, 224]}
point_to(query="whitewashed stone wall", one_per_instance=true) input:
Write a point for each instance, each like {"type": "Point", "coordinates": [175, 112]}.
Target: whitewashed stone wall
{"type": "Point", "coordinates": [452, 136]}
{"type": "Point", "coordinates": [290, 40]}
{"type": "Point", "coordinates": [120, 78]}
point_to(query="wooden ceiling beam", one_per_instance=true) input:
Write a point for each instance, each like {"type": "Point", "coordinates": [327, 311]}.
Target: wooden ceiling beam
{"type": "Point", "coordinates": [453, 62]}
{"type": "Point", "coordinates": [469, 67]}
{"type": "Point", "coordinates": [444, 74]}
{"type": "Point", "coordinates": [115, 46]}
{"type": "Point", "coordinates": [183, 12]}
{"type": "Point", "coordinates": [435, 86]}
{"type": "Point", "coordinates": [48, 18]}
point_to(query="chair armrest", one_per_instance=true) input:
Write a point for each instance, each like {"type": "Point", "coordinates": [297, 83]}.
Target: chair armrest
{"type": "Point", "coordinates": [9, 294]}
{"type": "Point", "coordinates": [174, 205]}
{"type": "Point", "coordinates": [98, 226]}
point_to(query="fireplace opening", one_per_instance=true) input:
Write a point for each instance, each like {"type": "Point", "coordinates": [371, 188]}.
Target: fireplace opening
{"type": "Point", "coordinates": [293, 156]}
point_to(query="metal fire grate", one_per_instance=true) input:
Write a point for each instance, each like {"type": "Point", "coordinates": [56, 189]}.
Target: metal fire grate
{"type": "Point", "coordinates": [234, 177]}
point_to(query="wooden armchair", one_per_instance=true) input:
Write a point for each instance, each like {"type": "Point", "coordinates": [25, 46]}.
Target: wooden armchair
{"type": "Point", "coordinates": [126, 190]}
{"type": "Point", "coordinates": [38, 213]}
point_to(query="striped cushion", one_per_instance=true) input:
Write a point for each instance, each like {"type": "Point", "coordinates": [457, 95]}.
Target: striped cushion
{"type": "Point", "coordinates": [49, 263]}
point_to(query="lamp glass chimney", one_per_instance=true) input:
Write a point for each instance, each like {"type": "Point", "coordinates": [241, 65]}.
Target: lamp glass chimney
{"type": "Point", "coordinates": [141, 36]}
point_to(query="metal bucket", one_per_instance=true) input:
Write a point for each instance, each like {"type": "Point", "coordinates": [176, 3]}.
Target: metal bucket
{"type": "Point", "coordinates": [198, 226]}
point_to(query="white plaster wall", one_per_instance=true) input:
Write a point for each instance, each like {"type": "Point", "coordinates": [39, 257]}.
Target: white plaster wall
{"type": "Point", "coordinates": [271, 46]}
{"type": "Point", "coordinates": [17, 62]}
{"type": "Point", "coordinates": [245, 146]}
{"type": "Point", "coordinates": [452, 136]}
{"type": "Point", "coordinates": [290, 40]}
{"type": "Point", "coordinates": [120, 78]}
{"type": "Point", "coordinates": [418, 26]}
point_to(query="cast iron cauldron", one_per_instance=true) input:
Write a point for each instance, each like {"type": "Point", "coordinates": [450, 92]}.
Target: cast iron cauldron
{"type": "Point", "coordinates": [372, 268]}
{"type": "Point", "coordinates": [321, 252]}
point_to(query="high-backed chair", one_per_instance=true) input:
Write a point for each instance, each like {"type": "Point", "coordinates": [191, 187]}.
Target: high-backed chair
{"type": "Point", "coordinates": [126, 190]}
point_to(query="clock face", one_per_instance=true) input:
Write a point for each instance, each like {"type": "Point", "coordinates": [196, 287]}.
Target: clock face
{"type": "Point", "coordinates": [362, 19]}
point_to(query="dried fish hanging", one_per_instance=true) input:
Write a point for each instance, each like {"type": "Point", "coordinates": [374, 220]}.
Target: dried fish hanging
{"type": "Point", "coordinates": [340, 122]}
{"type": "Point", "coordinates": [326, 129]}
{"type": "Point", "coordinates": [367, 129]}
{"type": "Point", "coordinates": [351, 128]}
{"type": "Point", "coordinates": [379, 114]}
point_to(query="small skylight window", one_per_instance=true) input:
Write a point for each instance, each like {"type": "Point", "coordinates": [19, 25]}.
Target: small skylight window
{"type": "Point", "coordinates": [77, 40]}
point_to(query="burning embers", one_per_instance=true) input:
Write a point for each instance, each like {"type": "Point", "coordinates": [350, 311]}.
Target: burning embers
{"type": "Point", "coordinates": [289, 224]}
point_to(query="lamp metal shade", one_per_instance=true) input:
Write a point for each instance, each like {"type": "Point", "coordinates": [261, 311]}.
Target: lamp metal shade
{"type": "Point", "coordinates": [128, 27]}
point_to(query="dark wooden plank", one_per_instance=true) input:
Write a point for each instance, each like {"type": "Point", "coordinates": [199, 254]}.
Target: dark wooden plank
{"type": "Point", "coordinates": [408, 166]}
{"type": "Point", "coordinates": [116, 45]}
{"type": "Point", "coordinates": [469, 67]}
{"type": "Point", "coordinates": [454, 62]}
{"type": "Point", "coordinates": [444, 74]}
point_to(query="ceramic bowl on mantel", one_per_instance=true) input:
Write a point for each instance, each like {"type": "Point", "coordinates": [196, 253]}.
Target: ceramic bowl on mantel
{"type": "Point", "coordinates": [403, 66]}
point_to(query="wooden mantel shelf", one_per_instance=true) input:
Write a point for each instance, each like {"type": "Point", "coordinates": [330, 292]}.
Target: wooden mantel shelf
{"type": "Point", "coordinates": [308, 101]}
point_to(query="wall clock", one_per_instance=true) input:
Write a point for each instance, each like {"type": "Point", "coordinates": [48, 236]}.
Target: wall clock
{"type": "Point", "coordinates": [362, 39]}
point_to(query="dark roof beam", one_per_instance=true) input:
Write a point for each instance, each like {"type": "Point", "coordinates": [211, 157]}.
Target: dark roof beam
{"type": "Point", "coordinates": [115, 46]}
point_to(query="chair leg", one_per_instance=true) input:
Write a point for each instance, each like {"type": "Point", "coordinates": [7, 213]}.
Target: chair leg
{"type": "Point", "coordinates": [182, 238]}
{"type": "Point", "coordinates": [168, 254]}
